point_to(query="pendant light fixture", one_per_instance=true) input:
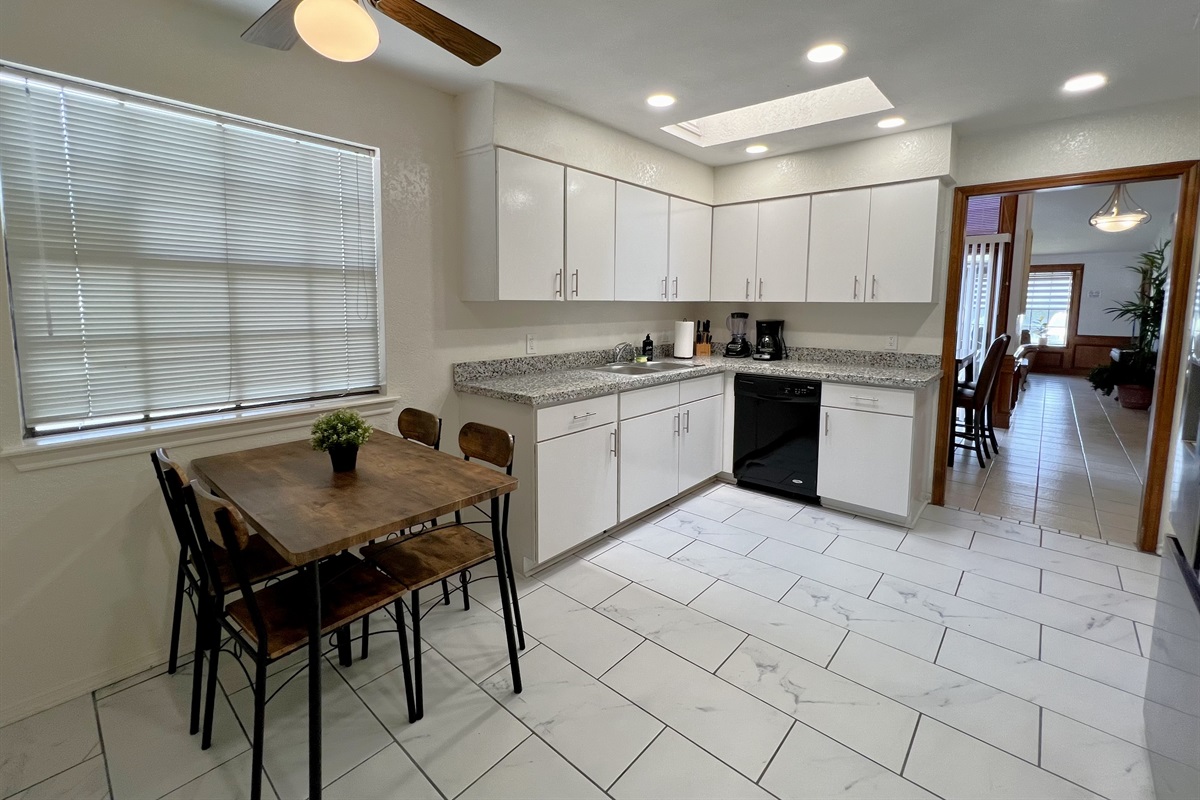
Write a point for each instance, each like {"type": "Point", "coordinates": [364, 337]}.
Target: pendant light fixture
{"type": "Point", "coordinates": [340, 30]}
{"type": "Point", "coordinates": [1119, 212]}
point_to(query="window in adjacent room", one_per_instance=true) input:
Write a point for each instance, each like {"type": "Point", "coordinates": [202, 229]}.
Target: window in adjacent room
{"type": "Point", "coordinates": [1052, 303]}
{"type": "Point", "coordinates": [167, 261]}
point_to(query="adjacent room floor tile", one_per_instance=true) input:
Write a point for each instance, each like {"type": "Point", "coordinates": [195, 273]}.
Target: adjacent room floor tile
{"type": "Point", "coordinates": [672, 768]}
{"type": "Point", "coordinates": [682, 630]}
{"type": "Point", "coordinates": [48, 743]}
{"type": "Point", "coordinates": [530, 772]}
{"type": "Point", "coordinates": [1052, 560]}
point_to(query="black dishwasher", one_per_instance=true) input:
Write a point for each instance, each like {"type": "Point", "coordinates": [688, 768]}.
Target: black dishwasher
{"type": "Point", "coordinates": [776, 430]}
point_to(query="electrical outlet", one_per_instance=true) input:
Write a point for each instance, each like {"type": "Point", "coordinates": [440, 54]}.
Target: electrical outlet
{"type": "Point", "coordinates": [530, 344]}
{"type": "Point", "coordinates": [892, 342]}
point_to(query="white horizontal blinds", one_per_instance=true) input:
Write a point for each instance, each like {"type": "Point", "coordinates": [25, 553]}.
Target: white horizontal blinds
{"type": "Point", "coordinates": [1048, 302]}
{"type": "Point", "coordinates": [982, 258]}
{"type": "Point", "coordinates": [164, 259]}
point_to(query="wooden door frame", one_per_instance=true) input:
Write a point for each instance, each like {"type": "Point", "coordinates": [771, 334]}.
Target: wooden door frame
{"type": "Point", "coordinates": [1174, 320]}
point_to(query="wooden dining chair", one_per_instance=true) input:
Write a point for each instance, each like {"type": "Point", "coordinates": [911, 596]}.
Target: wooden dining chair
{"type": "Point", "coordinates": [272, 621]}
{"type": "Point", "coordinates": [432, 555]}
{"type": "Point", "coordinates": [261, 560]}
{"type": "Point", "coordinates": [975, 400]}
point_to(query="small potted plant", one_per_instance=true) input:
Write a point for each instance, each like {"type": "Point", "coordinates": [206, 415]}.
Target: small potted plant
{"type": "Point", "coordinates": [340, 433]}
{"type": "Point", "coordinates": [1041, 329]}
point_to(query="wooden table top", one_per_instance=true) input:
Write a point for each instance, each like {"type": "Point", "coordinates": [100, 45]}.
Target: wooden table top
{"type": "Point", "coordinates": [291, 494]}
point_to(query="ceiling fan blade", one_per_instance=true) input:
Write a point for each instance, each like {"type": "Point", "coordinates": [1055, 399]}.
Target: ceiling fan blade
{"type": "Point", "coordinates": [275, 28]}
{"type": "Point", "coordinates": [442, 31]}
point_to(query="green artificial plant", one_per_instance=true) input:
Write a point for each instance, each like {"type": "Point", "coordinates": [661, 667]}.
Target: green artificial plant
{"type": "Point", "coordinates": [340, 428]}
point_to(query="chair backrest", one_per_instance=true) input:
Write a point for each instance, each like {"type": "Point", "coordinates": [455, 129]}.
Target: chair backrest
{"type": "Point", "coordinates": [171, 480]}
{"type": "Point", "coordinates": [420, 426]}
{"type": "Point", "coordinates": [990, 371]}
{"type": "Point", "coordinates": [485, 443]}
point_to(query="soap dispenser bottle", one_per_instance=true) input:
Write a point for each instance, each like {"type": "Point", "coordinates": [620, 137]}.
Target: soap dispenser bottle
{"type": "Point", "coordinates": [648, 348]}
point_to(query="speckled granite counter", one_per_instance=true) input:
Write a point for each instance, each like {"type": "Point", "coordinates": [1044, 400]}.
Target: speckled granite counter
{"type": "Point", "coordinates": [548, 380]}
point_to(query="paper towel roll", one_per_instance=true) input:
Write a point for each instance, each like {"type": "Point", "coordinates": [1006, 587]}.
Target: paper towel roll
{"type": "Point", "coordinates": [685, 339]}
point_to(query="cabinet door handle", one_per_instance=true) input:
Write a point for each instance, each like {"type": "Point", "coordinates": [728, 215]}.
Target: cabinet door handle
{"type": "Point", "coordinates": [676, 424]}
{"type": "Point", "coordinates": [826, 423]}
{"type": "Point", "coordinates": [868, 399]}
{"type": "Point", "coordinates": [664, 291]}
{"type": "Point", "coordinates": [747, 288]}
{"type": "Point", "coordinates": [874, 280]}
{"type": "Point", "coordinates": [760, 285]}
{"type": "Point", "coordinates": [613, 434]}
{"type": "Point", "coordinates": [687, 421]}
{"type": "Point", "coordinates": [558, 284]}
{"type": "Point", "coordinates": [575, 283]}
{"type": "Point", "coordinates": [675, 287]}
{"type": "Point", "coordinates": [855, 287]}
{"type": "Point", "coordinates": [584, 416]}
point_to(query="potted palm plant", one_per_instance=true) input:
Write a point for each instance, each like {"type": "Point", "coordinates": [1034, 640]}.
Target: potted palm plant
{"type": "Point", "coordinates": [340, 433]}
{"type": "Point", "coordinates": [1132, 375]}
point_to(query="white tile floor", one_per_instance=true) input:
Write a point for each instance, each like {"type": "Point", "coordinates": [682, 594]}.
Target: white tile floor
{"type": "Point", "coordinates": [735, 645]}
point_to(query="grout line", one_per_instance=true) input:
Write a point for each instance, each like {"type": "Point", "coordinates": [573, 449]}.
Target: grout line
{"type": "Point", "coordinates": [642, 752]}
{"type": "Point", "coordinates": [103, 749]}
{"type": "Point", "coordinates": [912, 739]}
{"type": "Point", "coordinates": [941, 642]}
{"type": "Point", "coordinates": [731, 652]}
{"type": "Point", "coordinates": [1041, 715]}
{"type": "Point", "coordinates": [778, 747]}
{"type": "Point", "coordinates": [836, 650]}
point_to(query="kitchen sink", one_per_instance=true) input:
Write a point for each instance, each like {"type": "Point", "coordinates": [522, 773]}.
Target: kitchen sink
{"type": "Point", "coordinates": [649, 368]}
{"type": "Point", "coordinates": [666, 366]}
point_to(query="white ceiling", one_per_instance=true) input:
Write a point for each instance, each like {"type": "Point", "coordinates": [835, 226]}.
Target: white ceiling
{"type": "Point", "coordinates": [978, 64]}
{"type": "Point", "coordinates": [1060, 218]}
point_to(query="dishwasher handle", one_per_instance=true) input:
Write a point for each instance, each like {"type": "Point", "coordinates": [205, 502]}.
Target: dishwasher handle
{"type": "Point", "coordinates": [774, 398]}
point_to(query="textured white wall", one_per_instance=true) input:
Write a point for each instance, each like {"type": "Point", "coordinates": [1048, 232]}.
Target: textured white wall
{"type": "Point", "coordinates": [1104, 273]}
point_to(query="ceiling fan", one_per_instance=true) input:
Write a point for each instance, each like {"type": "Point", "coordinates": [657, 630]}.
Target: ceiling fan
{"type": "Point", "coordinates": [342, 29]}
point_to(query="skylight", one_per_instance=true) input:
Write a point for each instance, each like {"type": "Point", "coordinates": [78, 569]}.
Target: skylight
{"type": "Point", "coordinates": [841, 101]}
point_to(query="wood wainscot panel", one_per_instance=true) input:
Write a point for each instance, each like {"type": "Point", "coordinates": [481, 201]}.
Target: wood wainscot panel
{"type": "Point", "coordinates": [1092, 351]}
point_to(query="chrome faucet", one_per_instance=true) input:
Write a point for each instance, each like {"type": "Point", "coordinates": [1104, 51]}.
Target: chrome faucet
{"type": "Point", "coordinates": [624, 352]}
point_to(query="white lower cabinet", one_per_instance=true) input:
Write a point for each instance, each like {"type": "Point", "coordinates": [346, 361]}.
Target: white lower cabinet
{"type": "Point", "coordinates": [649, 461]}
{"type": "Point", "coordinates": [576, 488]}
{"type": "Point", "coordinates": [700, 441]}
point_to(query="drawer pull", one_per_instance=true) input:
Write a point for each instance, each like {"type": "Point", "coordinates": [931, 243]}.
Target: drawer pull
{"type": "Point", "coordinates": [747, 288]}
{"type": "Point", "coordinates": [584, 416]}
{"type": "Point", "coordinates": [760, 288]}
{"type": "Point", "coordinates": [867, 399]}
{"type": "Point", "coordinates": [613, 450]}
{"type": "Point", "coordinates": [687, 421]}
{"type": "Point", "coordinates": [676, 424]}
{"type": "Point", "coordinates": [826, 423]}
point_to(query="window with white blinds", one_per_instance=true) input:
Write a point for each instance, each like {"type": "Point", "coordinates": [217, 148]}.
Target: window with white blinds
{"type": "Point", "coordinates": [165, 260]}
{"type": "Point", "coordinates": [1048, 304]}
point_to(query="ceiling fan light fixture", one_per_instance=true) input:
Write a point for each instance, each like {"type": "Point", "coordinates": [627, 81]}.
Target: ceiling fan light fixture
{"type": "Point", "coordinates": [1119, 212]}
{"type": "Point", "coordinates": [340, 30]}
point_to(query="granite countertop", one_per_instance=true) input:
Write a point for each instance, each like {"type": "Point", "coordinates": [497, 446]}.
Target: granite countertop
{"type": "Point", "coordinates": [553, 386]}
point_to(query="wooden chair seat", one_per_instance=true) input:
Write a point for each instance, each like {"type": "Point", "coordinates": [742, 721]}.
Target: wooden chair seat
{"type": "Point", "coordinates": [423, 559]}
{"type": "Point", "coordinates": [260, 559]}
{"type": "Point", "coordinates": [352, 590]}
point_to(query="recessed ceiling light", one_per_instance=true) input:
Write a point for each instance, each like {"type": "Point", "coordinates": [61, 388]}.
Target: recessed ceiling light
{"type": "Point", "coordinates": [660, 100]}
{"type": "Point", "coordinates": [1085, 83]}
{"type": "Point", "coordinates": [826, 52]}
{"type": "Point", "coordinates": [891, 122]}
{"type": "Point", "coordinates": [755, 149]}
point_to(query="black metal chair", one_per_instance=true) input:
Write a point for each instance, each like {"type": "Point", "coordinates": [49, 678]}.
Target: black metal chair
{"type": "Point", "coordinates": [272, 621]}
{"type": "Point", "coordinates": [427, 557]}
{"type": "Point", "coordinates": [976, 400]}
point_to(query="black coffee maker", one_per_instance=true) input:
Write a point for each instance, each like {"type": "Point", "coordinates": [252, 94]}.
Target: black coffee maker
{"type": "Point", "coordinates": [768, 342]}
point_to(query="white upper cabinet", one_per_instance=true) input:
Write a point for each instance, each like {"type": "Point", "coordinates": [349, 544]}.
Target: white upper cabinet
{"type": "Point", "coordinates": [783, 250]}
{"type": "Point", "coordinates": [902, 242]}
{"type": "Point", "coordinates": [734, 253]}
{"type": "Point", "coordinates": [529, 219]}
{"type": "Point", "coordinates": [690, 252]}
{"type": "Point", "coordinates": [642, 243]}
{"type": "Point", "coordinates": [837, 246]}
{"type": "Point", "coordinates": [591, 236]}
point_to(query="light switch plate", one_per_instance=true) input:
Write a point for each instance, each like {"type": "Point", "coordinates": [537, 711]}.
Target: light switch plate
{"type": "Point", "coordinates": [530, 344]}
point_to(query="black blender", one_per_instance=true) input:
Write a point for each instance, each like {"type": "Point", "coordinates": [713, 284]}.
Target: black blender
{"type": "Point", "coordinates": [738, 347]}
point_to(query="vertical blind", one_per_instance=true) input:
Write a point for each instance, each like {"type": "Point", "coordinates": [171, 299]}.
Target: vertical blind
{"type": "Point", "coordinates": [164, 260]}
{"type": "Point", "coordinates": [1048, 302]}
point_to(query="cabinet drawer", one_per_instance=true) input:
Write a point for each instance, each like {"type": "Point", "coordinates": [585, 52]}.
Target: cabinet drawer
{"type": "Point", "coordinates": [645, 401]}
{"type": "Point", "coordinates": [700, 388]}
{"type": "Point", "coordinates": [868, 398]}
{"type": "Point", "coordinates": [577, 416]}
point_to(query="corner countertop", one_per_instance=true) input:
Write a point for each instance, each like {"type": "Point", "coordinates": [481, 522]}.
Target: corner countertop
{"type": "Point", "coordinates": [564, 385]}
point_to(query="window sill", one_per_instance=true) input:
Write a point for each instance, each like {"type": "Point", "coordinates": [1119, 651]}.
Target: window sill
{"type": "Point", "coordinates": [58, 450]}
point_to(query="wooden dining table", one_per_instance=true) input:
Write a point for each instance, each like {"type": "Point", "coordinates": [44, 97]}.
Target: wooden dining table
{"type": "Point", "coordinates": [307, 512]}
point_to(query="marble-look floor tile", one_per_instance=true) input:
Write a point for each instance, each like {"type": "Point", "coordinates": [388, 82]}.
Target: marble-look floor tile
{"type": "Point", "coordinates": [230, 781]}
{"type": "Point", "coordinates": [672, 768]}
{"type": "Point", "coordinates": [48, 743]}
{"type": "Point", "coordinates": [1098, 551]}
{"type": "Point", "coordinates": [86, 781]}
{"type": "Point", "coordinates": [1051, 560]}
{"type": "Point", "coordinates": [388, 773]}
{"type": "Point", "coordinates": [993, 625]}
{"type": "Point", "coordinates": [582, 580]}
{"type": "Point", "coordinates": [783, 530]}
{"type": "Point", "coordinates": [654, 539]}
{"type": "Point", "coordinates": [917, 570]}
{"type": "Point", "coordinates": [533, 772]}
{"type": "Point", "coordinates": [811, 766]}
{"type": "Point", "coordinates": [823, 568]}
{"type": "Point", "coordinates": [682, 630]}
{"type": "Point", "coordinates": [1105, 764]}
{"type": "Point", "coordinates": [133, 680]}
{"type": "Point", "coordinates": [709, 507]}
{"type": "Point", "coordinates": [1137, 582]}
{"type": "Point", "coordinates": [384, 653]}
{"type": "Point", "coordinates": [587, 639]}
{"type": "Point", "coordinates": [464, 732]}
{"type": "Point", "coordinates": [473, 640]}
{"type": "Point", "coordinates": [969, 705]}
{"type": "Point", "coordinates": [942, 532]}
{"type": "Point", "coordinates": [741, 730]}
{"type": "Point", "coordinates": [596, 548]}
{"type": "Point", "coordinates": [1102, 598]}
{"type": "Point", "coordinates": [718, 534]}
{"type": "Point", "coordinates": [596, 729]}
{"type": "Point", "coordinates": [952, 764]}
{"type": "Point", "coordinates": [1029, 534]}
{"type": "Point", "coordinates": [748, 573]}
{"type": "Point", "coordinates": [1166, 647]}
{"type": "Point", "coordinates": [1000, 569]}
{"type": "Point", "coordinates": [830, 520]}
{"type": "Point", "coordinates": [756, 501]}
{"type": "Point", "coordinates": [655, 572]}
{"type": "Point", "coordinates": [794, 631]}
{"type": "Point", "coordinates": [876, 621]}
{"type": "Point", "coordinates": [146, 740]}
{"type": "Point", "coordinates": [1069, 617]}
{"type": "Point", "coordinates": [863, 720]}
{"type": "Point", "coordinates": [1117, 668]}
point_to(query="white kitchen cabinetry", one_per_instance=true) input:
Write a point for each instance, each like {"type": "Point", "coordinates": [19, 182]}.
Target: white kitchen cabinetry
{"type": "Point", "coordinates": [783, 227]}
{"type": "Point", "coordinates": [576, 488]}
{"type": "Point", "coordinates": [590, 236]}
{"type": "Point", "coordinates": [837, 246]}
{"type": "Point", "coordinates": [642, 242]}
{"type": "Point", "coordinates": [700, 441]}
{"type": "Point", "coordinates": [690, 250]}
{"type": "Point", "coordinates": [734, 252]}
{"type": "Point", "coordinates": [902, 242]}
{"type": "Point", "coordinates": [649, 457]}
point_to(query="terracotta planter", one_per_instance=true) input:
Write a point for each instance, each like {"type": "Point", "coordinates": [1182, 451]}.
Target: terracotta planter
{"type": "Point", "coordinates": [344, 457]}
{"type": "Point", "coordinates": [1135, 397]}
